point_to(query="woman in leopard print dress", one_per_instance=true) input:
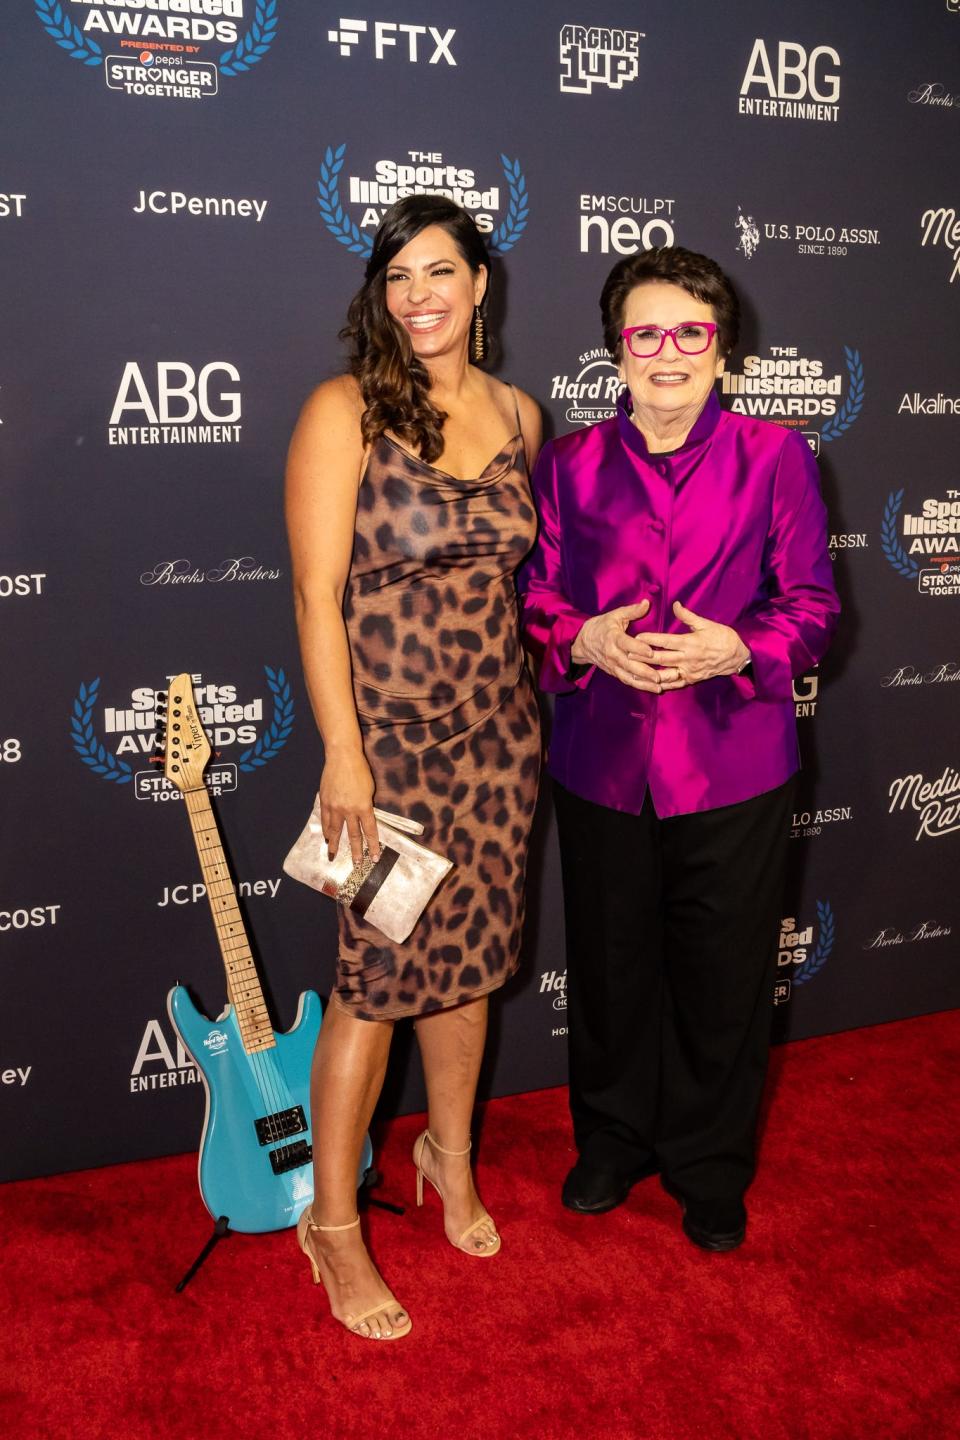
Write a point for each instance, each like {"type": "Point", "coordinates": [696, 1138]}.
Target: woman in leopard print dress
{"type": "Point", "coordinates": [405, 537]}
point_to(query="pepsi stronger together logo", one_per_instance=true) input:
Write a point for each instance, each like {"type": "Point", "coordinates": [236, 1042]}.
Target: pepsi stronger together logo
{"type": "Point", "coordinates": [162, 49]}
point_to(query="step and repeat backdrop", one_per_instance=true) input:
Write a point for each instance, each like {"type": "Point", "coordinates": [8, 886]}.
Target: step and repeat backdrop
{"type": "Point", "coordinates": [188, 190]}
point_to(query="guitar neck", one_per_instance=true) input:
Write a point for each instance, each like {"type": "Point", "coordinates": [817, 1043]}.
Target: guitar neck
{"type": "Point", "coordinates": [243, 983]}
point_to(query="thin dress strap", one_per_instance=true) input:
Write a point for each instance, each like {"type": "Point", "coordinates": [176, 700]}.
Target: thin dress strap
{"type": "Point", "coordinates": [516, 407]}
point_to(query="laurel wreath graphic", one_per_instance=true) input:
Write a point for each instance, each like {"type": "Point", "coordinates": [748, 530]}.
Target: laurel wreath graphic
{"type": "Point", "coordinates": [903, 563]}
{"type": "Point", "coordinates": [255, 44]}
{"type": "Point", "coordinates": [85, 742]}
{"type": "Point", "coordinates": [506, 235]}
{"type": "Point", "coordinates": [328, 198]}
{"type": "Point", "coordinates": [277, 732]}
{"type": "Point", "coordinates": [853, 404]}
{"type": "Point", "coordinates": [344, 229]}
{"type": "Point", "coordinates": [67, 34]}
{"type": "Point", "coordinates": [825, 938]}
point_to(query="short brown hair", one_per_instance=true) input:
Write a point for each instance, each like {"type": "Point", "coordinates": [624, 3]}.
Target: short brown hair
{"type": "Point", "coordinates": [700, 276]}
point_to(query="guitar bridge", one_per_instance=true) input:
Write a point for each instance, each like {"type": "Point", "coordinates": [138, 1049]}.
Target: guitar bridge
{"type": "Point", "coordinates": [280, 1125]}
{"type": "Point", "coordinates": [289, 1157]}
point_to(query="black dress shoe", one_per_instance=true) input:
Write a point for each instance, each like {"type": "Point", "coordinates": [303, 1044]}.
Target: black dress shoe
{"type": "Point", "coordinates": [711, 1224]}
{"type": "Point", "coordinates": [592, 1192]}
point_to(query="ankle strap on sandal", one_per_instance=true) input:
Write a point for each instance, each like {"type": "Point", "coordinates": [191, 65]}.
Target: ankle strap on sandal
{"type": "Point", "coordinates": [437, 1146]}
{"type": "Point", "coordinates": [312, 1224]}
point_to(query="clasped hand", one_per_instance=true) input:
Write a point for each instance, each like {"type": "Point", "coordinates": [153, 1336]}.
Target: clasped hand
{"type": "Point", "coordinates": [656, 662]}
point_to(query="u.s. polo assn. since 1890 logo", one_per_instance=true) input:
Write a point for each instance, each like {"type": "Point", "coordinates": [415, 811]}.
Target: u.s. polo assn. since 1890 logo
{"type": "Point", "coordinates": [245, 732]}
{"type": "Point", "coordinates": [162, 49]}
{"type": "Point", "coordinates": [922, 543]}
{"type": "Point", "coordinates": [352, 206]}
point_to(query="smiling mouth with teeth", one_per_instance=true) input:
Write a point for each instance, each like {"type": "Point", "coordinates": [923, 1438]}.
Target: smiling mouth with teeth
{"type": "Point", "coordinates": [424, 322]}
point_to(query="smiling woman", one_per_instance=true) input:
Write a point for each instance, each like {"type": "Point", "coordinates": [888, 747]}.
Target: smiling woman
{"type": "Point", "coordinates": [680, 581]}
{"type": "Point", "coordinates": [406, 604]}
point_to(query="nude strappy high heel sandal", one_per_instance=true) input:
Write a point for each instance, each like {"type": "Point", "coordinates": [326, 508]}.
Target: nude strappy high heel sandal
{"type": "Point", "coordinates": [459, 1244]}
{"type": "Point", "coordinates": [307, 1223]}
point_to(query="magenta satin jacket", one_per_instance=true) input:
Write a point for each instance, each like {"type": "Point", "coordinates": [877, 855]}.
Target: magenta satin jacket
{"type": "Point", "coordinates": [733, 526]}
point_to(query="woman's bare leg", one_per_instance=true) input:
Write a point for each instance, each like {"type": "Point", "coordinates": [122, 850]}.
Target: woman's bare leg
{"type": "Point", "coordinates": [349, 1064]}
{"type": "Point", "coordinates": [451, 1046]}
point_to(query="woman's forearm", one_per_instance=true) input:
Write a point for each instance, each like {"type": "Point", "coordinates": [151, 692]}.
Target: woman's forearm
{"type": "Point", "coordinates": [328, 672]}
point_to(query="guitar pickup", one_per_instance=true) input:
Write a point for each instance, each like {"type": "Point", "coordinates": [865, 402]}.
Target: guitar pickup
{"type": "Point", "coordinates": [289, 1157]}
{"type": "Point", "coordinates": [280, 1125]}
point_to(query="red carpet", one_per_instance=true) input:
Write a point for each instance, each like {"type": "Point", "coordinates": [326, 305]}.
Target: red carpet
{"type": "Point", "coordinates": [838, 1318]}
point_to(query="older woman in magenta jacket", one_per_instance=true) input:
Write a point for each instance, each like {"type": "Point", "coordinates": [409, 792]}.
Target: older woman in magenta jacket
{"type": "Point", "coordinates": [680, 581]}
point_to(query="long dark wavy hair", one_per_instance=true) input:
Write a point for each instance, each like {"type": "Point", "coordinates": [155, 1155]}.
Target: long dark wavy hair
{"type": "Point", "coordinates": [394, 384]}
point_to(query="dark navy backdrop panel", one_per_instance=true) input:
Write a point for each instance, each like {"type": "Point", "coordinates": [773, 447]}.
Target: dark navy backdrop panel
{"type": "Point", "coordinates": [186, 198]}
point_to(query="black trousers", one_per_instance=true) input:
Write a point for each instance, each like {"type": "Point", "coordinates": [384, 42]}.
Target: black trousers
{"type": "Point", "coordinates": [671, 950]}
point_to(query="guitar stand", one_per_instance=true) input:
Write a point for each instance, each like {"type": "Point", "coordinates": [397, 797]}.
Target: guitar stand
{"type": "Point", "coordinates": [372, 1178]}
{"type": "Point", "coordinates": [220, 1231]}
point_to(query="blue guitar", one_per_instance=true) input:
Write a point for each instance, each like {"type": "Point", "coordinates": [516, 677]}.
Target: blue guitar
{"type": "Point", "coordinates": [255, 1150]}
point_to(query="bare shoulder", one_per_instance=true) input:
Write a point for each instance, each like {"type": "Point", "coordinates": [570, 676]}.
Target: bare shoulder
{"type": "Point", "coordinates": [336, 402]}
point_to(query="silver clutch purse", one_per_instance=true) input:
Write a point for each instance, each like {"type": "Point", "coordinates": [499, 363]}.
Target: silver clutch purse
{"type": "Point", "coordinates": [390, 893]}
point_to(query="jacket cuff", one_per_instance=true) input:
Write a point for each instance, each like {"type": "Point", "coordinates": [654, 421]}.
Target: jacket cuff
{"type": "Point", "coordinates": [559, 672]}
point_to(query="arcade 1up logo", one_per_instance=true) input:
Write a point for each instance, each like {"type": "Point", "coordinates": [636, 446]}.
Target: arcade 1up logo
{"type": "Point", "coordinates": [803, 950]}
{"type": "Point", "coordinates": [799, 391]}
{"type": "Point", "coordinates": [245, 732]}
{"type": "Point", "coordinates": [162, 49]}
{"type": "Point", "coordinates": [352, 206]}
{"type": "Point", "coordinates": [923, 542]}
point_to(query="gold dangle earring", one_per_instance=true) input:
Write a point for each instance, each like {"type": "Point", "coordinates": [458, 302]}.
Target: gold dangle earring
{"type": "Point", "coordinates": [479, 345]}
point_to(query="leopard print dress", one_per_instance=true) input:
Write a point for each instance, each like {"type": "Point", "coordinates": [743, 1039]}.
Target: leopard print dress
{"type": "Point", "coordinates": [448, 717]}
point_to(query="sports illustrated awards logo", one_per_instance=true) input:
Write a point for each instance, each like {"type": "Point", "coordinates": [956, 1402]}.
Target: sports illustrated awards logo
{"type": "Point", "coordinates": [238, 570]}
{"type": "Point", "coordinates": [800, 958]}
{"type": "Point", "coordinates": [160, 1066]}
{"type": "Point", "coordinates": [11, 750]}
{"type": "Point", "coordinates": [807, 239]}
{"type": "Point", "coordinates": [421, 173]}
{"type": "Point", "coordinates": [593, 55]}
{"type": "Point", "coordinates": [177, 44]}
{"type": "Point", "coordinates": [169, 404]}
{"type": "Point", "coordinates": [927, 535]}
{"type": "Point", "coordinates": [625, 223]}
{"type": "Point", "coordinates": [175, 202]}
{"type": "Point", "coordinates": [592, 392]}
{"type": "Point", "coordinates": [228, 721]}
{"type": "Point", "coordinates": [941, 227]}
{"type": "Point", "coordinates": [798, 391]}
{"type": "Point", "coordinates": [11, 205]}
{"type": "Point", "coordinates": [939, 404]}
{"type": "Point", "coordinates": [392, 39]}
{"type": "Point", "coordinates": [909, 677]}
{"type": "Point", "coordinates": [553, 983]}
{"type": "Point", "coordinates": [892, 935]}
{"type": "Point", "coordinates": [935, 94]}
{"type": "Point", "coordinates": [936, 803]}
{"type": "Point", "coordinates": [788, 78]}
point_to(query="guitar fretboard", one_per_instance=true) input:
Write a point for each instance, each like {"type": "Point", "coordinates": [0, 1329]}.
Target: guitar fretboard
{"type": "Point", "coordinates": [243, 984]}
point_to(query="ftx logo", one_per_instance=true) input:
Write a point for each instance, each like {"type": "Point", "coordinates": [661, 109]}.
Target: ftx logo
{"type": "Point", "coordinates": [387, 36]}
